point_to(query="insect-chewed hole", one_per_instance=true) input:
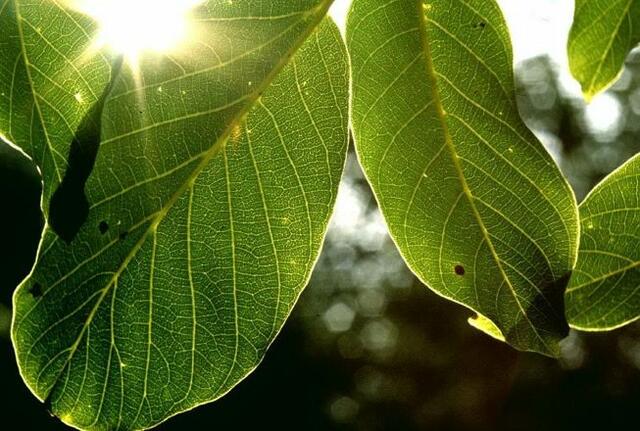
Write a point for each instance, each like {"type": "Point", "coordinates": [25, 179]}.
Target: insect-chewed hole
{"type": "Point", "coordinates": [36, 290]}
{"type": "Point", "coordinates": [103, 227]}
{"type": "Point", "coordinates": [480, 24]}
{"type": "Point", "coordinates": [459, 269]}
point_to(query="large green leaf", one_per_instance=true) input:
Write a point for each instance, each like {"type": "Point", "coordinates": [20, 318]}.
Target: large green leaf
{"type": "Point", "coordinates": [475, 204]}
{"type": "Point", "coordinates": [603, 33]}
{"type": "Point", "coordinates": [604, 292]}
{"type": "Point", "coordinates": [214, 176]}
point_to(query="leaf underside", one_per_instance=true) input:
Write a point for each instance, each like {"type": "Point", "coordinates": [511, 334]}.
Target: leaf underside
{"type": "Point", "coordinates": [602, 34]}
{"type": "Point", "coordinates": [604, 292]}
{"type": "Point", "coordinates": [214, 173]}
{"type": "Point", "coordinates": [475, 204]}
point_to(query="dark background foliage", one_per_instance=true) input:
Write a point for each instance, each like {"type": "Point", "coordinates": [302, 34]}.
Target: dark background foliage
{"type": "Point", "coordinates": [368, 347]}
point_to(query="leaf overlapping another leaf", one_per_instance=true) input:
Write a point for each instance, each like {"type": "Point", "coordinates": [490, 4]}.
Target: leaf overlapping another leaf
{"type": "Point", "coordinates": [214, 178]}
{"type": "Point", "coordinates": [604, 292]}
{"type": "Point", "coordinates": [475, 204]}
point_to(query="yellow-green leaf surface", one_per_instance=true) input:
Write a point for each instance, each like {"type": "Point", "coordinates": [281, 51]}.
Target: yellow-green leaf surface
{"type": "Point", "coordinates": [208, 176]}
{"type": "Point", "coordinates": [603, 33]}
{"type": "Point", "coordinates": [604, 292]}
{"type": "Point", "coordinates": [475, 204]}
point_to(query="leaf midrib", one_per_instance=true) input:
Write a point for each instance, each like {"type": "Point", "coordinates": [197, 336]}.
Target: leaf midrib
{"type": "Point", "coordinates": [606, 52]}
{"type": "Point", "coordinates": [426, 46]}
{"type": "Point", "coordinates": [318, 13]}
{"type": "Point", "coordinates": [601, 16]}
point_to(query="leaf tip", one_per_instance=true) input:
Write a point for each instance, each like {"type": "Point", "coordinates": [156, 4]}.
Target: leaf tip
{"type": "Point", "coordinates": [485, 325]}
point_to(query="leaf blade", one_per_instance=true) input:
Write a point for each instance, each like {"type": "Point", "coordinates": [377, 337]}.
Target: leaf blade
{"type": "Point", "coordinates": [441, 142]}
{"type": "Point", "coordinates": [603, 295]}
{"type": "Point", "coordinates": [175, 229]}
{"type": "Point", "coordinates": [602, 34]}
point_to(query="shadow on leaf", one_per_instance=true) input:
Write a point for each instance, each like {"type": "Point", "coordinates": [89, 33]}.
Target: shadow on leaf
{"type": "Point", "coordinates": [69, 207]}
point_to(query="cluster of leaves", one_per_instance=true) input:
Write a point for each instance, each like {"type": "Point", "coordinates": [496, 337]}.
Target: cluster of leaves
{"type": "Point", "coordinates": [186, 199]}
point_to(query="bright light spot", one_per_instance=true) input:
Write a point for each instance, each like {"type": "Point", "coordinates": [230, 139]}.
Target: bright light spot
{"type": "Point", "coordinates": [338, 12]}
{"type": "Point", "coordinates": [349, 209]}
{"type": "Point", "coordinates": [339, 317]}
{"type": "Point", "coordinates": [131, 27]}
{"type": "Point", "coordinates": [78, 97]}
{"type": "Point", "coordinates": [572, 352]}
{"type": "Point", "coordinates": [538, 28]}
{"type": "Point", "coordinates": [603, 114]}
{"type": "Point", "coordinates": [379, 334]}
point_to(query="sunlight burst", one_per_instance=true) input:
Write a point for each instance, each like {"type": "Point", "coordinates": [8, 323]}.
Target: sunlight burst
{"type": "Point", "coordinates": [132, 27]}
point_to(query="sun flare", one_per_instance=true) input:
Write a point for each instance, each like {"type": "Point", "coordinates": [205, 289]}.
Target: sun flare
{"type": "Point", "coordinates": [132, 27]}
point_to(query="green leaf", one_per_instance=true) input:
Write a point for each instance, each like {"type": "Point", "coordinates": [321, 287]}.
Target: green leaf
{"type": "Point", "coordinates": [475, 204]}
{"type": "Point", "coordinates": [214, 177]}
{"type": "Point", "coordinates": [604, 292]}
{"type": "Point", "coordinates": [603, 33]}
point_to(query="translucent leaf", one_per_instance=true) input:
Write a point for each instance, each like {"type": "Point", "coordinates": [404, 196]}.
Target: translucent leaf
{"type": "Point", "coordinates": [186, 199]}
{"type": "Point", "coordinates": [604, 292]}
{"type": "Point", "coordinates": [475, 204]}
{"type": "Point", "coordinates": [603, 33]}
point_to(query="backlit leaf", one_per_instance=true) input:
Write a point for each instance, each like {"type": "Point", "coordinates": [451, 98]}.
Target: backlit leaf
{"type": "Point", "coordinates": [475, 204]}
{"type": "Point", "coordinates": [603, 33]}
{"type": "Point", "coordinates": [186, 199]}
{"type": "Point", "coordinates": [604, 292]}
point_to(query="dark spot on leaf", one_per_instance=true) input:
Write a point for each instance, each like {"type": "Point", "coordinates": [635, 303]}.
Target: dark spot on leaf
{"type": "Point", "coordinates": [103, 226]}
{"type": "Point", "coordinates": [459, 269]}
{"type": "Point", "coordinates": [481, 25]}
{"type": "Point", "coordinates": [123, 235]}
{"type": "Point", "coordinates": [36, 290]}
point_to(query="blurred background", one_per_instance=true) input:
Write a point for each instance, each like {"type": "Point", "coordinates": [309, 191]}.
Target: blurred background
{"type": "Point", "coordinates": [370, 348]}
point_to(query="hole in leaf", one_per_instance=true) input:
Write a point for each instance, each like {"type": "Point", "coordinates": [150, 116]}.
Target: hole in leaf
{"type": "Point", "coordinates": [481, 25]}
{"type": "Point", "coordinates": [36, 290]}
{"type": "Point", "coordinates": [459, 269]}
{"type": "Point", "coordinates": [104, 227]}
